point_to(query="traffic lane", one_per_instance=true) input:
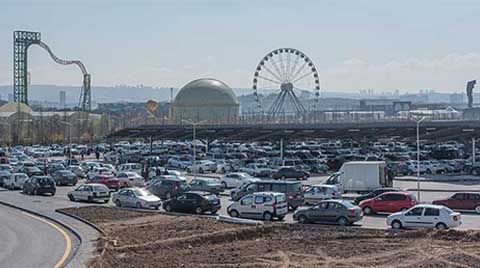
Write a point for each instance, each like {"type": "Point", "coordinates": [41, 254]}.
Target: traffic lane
{"type": "Point", "coordinates": [28, 242]}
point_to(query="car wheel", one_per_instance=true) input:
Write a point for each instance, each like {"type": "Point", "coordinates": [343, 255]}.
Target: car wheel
{"type": "Point", "coordinates": [90, 199]}
{"type": "Point", "coordinates": [283, 177]}
{"type": "Point", "coordinates": [198, 210]}
{"type": "Point", "coordinates": [267, 216]}
{"type": "Point", "coordinates": [118, 203]}
{"type": "Point", "coordinates": [233, 213]}
{"type": "Point", "coordinates": [168, 195]}
{"type": "Point", "coordinates": [396, 224]}
{"type": "Point", "coordinates": [224, 184]}
{"type": "Point", "coordinates": [342, 221]}
{"type": "Point", "coordinates": [441, 226]}
{"type": "Point", "coordinates": [105, 201]}
{"type": "Point", "coordinates": [71, 197]}
{"type": "Point", "coordinates": [138, 205]}
{"type": "Point", "coordinates": [368, 210]}
{"type": "Point", "coordinates": [477, 209]}
{"type": "Point", "coordinates": [200, 170]}
{"type": "Point", "coordinates": [293, 207]}
{"type": "Point", "coordinates": [188, 170]}
{"type": "Point", "coordinates": [305, 177]}
{"type": "Point", "coordinates": [429, 171]}
{"type": "Point", "coordinates": [223, 170]}
{"type": "Point", "coordinates": [168, 208]}
{"type": "Point", "coordinates": [303, 219]}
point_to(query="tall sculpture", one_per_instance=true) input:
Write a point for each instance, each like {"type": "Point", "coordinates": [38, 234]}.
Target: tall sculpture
{"type": "Point", "coordinates": [470, 86]}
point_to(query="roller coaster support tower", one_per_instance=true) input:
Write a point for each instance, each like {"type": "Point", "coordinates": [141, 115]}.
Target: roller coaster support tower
{"type": "Point", "coordinates": [22, 40]}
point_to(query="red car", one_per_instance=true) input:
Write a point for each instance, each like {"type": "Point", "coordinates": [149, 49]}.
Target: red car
{"type": "Point", "coordinates": [389, 202]}
{"type": "Point", "coordinates": [108, 181]}
{"type": "Point", "coordinates": [461, 201]}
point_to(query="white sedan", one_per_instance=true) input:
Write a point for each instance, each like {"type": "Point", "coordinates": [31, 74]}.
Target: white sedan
{"type": "Point", "coordinates": [425, 216]}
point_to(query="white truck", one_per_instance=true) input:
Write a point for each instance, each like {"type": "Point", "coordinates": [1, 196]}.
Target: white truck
{"type": "Point", "coordinates": [360, 177]}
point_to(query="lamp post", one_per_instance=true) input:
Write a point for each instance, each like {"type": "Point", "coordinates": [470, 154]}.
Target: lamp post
{"type": "Point", "coordinates": [194, 142]}
{"type": "Point", "coordinates": [69, 139]}
{"type": "Point", "coordinates": [418, 157]}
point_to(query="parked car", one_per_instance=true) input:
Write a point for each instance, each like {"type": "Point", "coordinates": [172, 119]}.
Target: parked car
{"type": "Point", "coordinates": [130, 167]}
{"type": "Point", "coordinates": [109, 181]}
{"type": "Point", "coordinates": [193, 201]}
{"type": "Point", "coordinates": [37, 185]}
{"type": "Point", "coordinates": [168, 188]}
{"type": "Point", "coordinates": [290, 173]}
{"type": "Point", "coordinates": [206, 185]}
{"type": "Point", "coordinates": [78, 171]}
{"type": "Point", "coordinates": [4, 175]}
{"type": "Point", "coordinates": [236, 179]}
{"type": "Point", "coordinates": [317, 193]}
{"type": "Point", "coordinates": [91, 192]}
{"type": "Point", "coordinates": [15, 181]}
{"type": "Point", "coordinates": [99, 171]}
{"type": "Point", "coordinates": [337, 211]}
{"type": "Point", "coordinates": [179, 161]}
{"type": "Point", "coordinates": [461, 201]}
{"type": "Point", "coordinates": [261, 205]}
{"type": "Point", "coordinates": [31, 171]}
{"type": "Point", "coordinates": [373, 194]}
{"type": "Point", "coordinates": [64, 177]}
{"type": "Point", "coordinates": [160, 171]}
{"type": "Point", "coordinates": [130, 178]}
{"type": "Point", "coordinates": [202, 166]}
{"type": "Point", "coordinates": [88, 166]}
{"type": "Point", "coordinates": [292, 189]}
{"type": "Point", "coordinates": [6, 167]}
{"type": "Point", "coordinates": [388, 202]}
{"type": "Point", "coordinates": [425, 216]}
{"type": "Point", "coordinates": [257, 170]}
{"type": "Point", "coordinates": [136, 197]}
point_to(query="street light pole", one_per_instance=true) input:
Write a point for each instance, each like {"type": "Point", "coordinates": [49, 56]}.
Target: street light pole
{"type": "Point", "coordinates": [194, 143]}
{"type": "Point", "coordinates": [418, 157]}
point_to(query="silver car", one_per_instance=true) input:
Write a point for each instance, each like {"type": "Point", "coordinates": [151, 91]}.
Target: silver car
{"type": "Point", "coordinates": [136, 197]}
{"type": "Point", "coordinates": [90, 192]}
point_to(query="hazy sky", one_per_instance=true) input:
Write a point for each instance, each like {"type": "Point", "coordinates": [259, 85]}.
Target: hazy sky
{"type": "Point", "coordinates": [380, 45]}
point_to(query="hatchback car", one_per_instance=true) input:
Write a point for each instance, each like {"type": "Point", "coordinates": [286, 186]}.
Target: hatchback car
{"type": "Point", "coordinates": [15, 181]}
{"type": "Point", "coordinates": [264, 205]}
{"type": "Point", "coordinates": [236, 179]}
{"type": "Point", "coordinates": [206, 185]}
{"type": "Point", "coordinates": [91, 192]}
{"type": "Point", "coordinates": [168, 188]}
{"type": "Point", "coordinates": [388, 202]}
{"type": "Point", "coordinates": [425, 216]}
{"type": "Point", "coordinates": [130, 178]}
{"type": "Point", "coordinates": [317, 193]}
{"type": "Point", "coordinates": [64, 177]}
{"type": "Point", "coordinates": [373, 194]}
{"type": "Point", "coordinates": [136, 197]}
{"type": "Point", "coordinates": [197, 202]}
{"type": "Point", "coordinates": [461, 201]}
{"type": "Point", "coordinates": [290, 173]}
{"type": "Point", "coordinates": [330, 211]}
{"type": "Point", "coordinates": [37, 185]}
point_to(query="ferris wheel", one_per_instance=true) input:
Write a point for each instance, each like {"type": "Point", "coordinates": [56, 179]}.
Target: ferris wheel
{"type": "Point", "coordinates": [290, 74]}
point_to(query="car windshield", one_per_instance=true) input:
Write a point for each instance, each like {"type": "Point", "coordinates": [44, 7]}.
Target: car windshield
{"type": "Point", "coordinates": [280, 198]}
{"type": "Point", "coordinates": [141, 192]}
{"type": "Point", "coordinates": [448, 210]}
{"type": "Point", "coordinates": [347, 204]}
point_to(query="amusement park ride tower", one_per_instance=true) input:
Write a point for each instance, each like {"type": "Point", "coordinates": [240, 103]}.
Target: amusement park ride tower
{"type": "Point", "coordinates": [22, 40]}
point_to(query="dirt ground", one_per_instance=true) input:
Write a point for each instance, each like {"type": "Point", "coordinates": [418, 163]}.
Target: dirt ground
{"type": "Point", "coordinates": [145, 240]}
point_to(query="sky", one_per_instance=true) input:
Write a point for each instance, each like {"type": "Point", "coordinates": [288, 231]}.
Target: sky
{"type": "Point", "coordinates": [355, 45]}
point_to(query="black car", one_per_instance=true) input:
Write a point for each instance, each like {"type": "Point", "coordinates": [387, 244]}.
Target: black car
{"type": "Point", "coordinates": [293, 190]}
{"type": "Point", "coordinates": [64, 177]}
{"type": "Point", "coordinates": [39, 185]}
{"type": "Point", "coordinates": [168, 187]}
{"type": "Point", "coordinates": [192, 201]}
{"type": "Point", "coordinates": [31, 171]}
{"type": "Point", "coordinates": [290, 172]}
{"type": "Point", "coordinates": [373, 194]}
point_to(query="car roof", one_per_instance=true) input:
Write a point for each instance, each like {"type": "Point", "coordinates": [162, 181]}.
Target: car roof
{"type": "Point", "coordinates": [202, 193]}
{"type": "Point", "coordinates": [95, 184]}
{"type": "Point", "coordinates": [430, 206]}
{"type": "Point", "coordinates": [268, 193]}
{"type": "Point", "coordinates": [276, 182]}
{"type": "Point", "coordinates": [399, 192]}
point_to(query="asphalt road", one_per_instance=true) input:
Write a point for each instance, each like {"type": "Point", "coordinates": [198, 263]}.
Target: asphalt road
{"type": "Point", "coordinates": [28, 241]}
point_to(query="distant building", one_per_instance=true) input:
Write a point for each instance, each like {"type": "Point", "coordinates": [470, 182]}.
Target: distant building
{"type": "Point", "coordinates": [206, 100]}
{"type": "Point", "coordinates": [390, 107]}
{"type": "Point", "coordinates": [63, 98]}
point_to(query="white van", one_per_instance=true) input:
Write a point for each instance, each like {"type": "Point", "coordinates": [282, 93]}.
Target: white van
{"type": "Point", "coordinates": [15, 181]}
{"type": "Point", "coordinates": [130, 167]}
{"type": "Point", "coordinates": [263, 205]}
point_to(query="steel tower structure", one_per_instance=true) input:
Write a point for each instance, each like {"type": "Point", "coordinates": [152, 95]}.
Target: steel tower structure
{"type": "Point", "coordinates": [22, 40]}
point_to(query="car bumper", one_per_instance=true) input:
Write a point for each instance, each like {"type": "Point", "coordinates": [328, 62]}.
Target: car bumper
{"type": "Point", "coordinates": [45, 190]}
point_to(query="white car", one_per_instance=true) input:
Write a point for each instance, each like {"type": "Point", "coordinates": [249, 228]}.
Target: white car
{"type": "Point", "coordinates": [15, 181]}
{"type": "Point", "coordinates": [317, 193]}
{"type": "Point", "coordinates": [433, 167]}
{"type": "Point", "coordinates": [99, 171]}
{"type": "Point", "coordinates": [130, 167]}
{"type": "Point", "coordinates": [179, 162]}
{"type": "Point", "coordinates": [257, 170]}
{"type": "Point", "coordinates": [425, 216]}
{"type": "Point", "coordinates": [91, 192]}
{"type": "Point", "coordinates": [152, 172]}
{"type": "Point", "coordinates": [263, 205]}
{"type": "Point", "coordinates": [236, 179]}
{"type": "Point", "coordinates": [202, 166]}
{"type": "Point", "coordinates": [130, 179]}
{"type": "Point", "coordinates": [136, 197]}
{"type": "Point", "coordinates": [224, 166]}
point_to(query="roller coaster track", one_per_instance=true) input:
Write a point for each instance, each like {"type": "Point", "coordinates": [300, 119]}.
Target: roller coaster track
{"type": "Point", "coordinates": [85, 98]}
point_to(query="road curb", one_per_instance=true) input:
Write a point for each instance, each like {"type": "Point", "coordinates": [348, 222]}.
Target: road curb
{"type": "Point", "coordinates": [98, 229]}
{"type": "Point", "coordinates": [62, 224]}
